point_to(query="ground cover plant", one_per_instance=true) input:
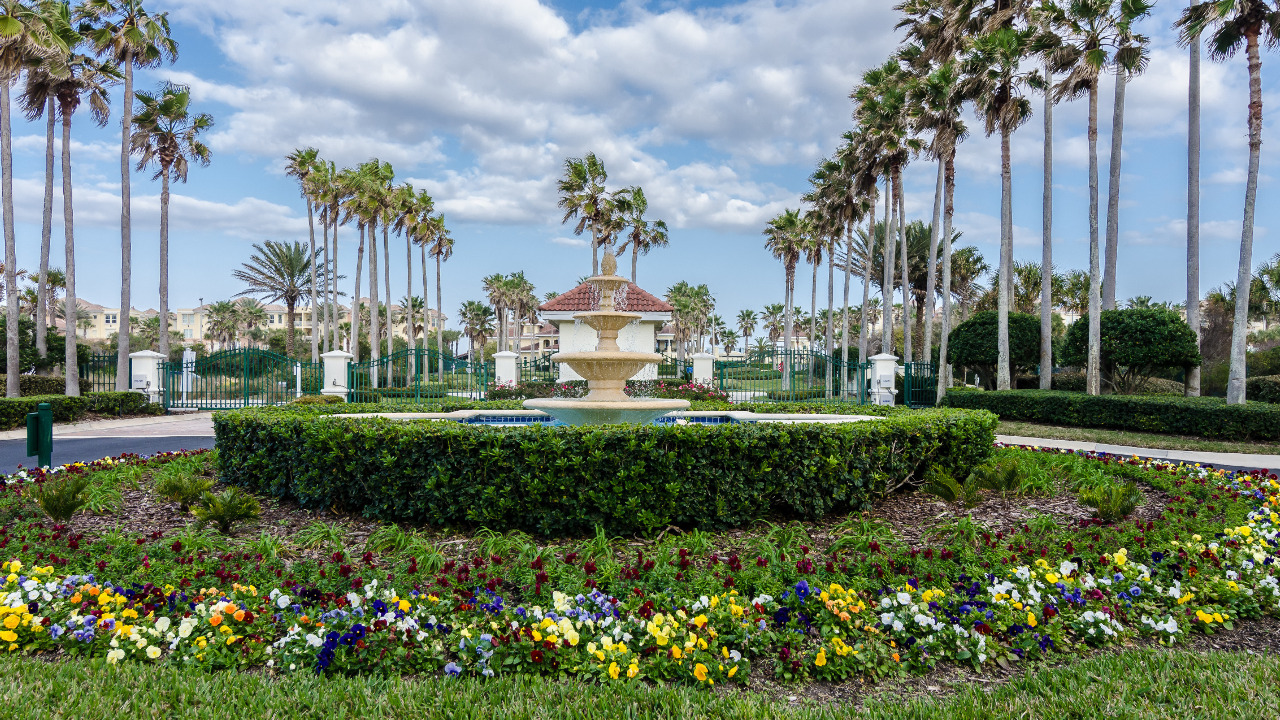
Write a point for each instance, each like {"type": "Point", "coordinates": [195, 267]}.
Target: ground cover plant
{"type": "Point", "coordinates": [1026, 573]}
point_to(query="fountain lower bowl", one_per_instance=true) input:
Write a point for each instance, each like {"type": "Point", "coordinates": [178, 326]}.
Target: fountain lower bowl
{"type": "Point", "coordinates": [585, 412]}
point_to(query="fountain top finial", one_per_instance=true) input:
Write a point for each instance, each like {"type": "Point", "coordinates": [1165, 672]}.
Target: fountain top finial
{"type": "Point", "coordinates": [609, 266]}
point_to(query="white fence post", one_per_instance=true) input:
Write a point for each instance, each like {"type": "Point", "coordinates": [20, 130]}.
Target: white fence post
{"type": "Point", "coordinates": [703, 368]}
{"type": "Point", "coordinates": [336, 371]}
{"type": "Point", "coordinates": [504, 368]}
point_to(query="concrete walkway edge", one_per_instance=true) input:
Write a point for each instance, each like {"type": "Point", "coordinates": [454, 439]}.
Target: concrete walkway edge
{"type": "Point", "coordinates": [77, 428]}
{"type": "Point", "coordinates": [1232, 460]}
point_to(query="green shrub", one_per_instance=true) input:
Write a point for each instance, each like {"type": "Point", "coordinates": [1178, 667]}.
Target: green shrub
{"type": "Point", "coordinates": [60, 496]}
{"type": "Point", "coordinates": [182, 487]}
{"type": "Point", "coordinates": [1134, 344]}
{"type": "Point", "coordinates": [1112, 501]}
{"type": "Point", "coordinates": [973, 344]}
{"type": "Point", "coordinates": [36, 385]}
{"type": "Point", "coordinates": [122, 403]}
{"type": "Point", "coordinates": [1263, 389]}
{"type": "Point", "coordinates": [567, 480]}
{"type": "Point", "coordinates": [319, 400]}
{"type": "Point", "coordinates": [13, 411]}
{"type": "Point", "coordinates": [785, 395]}
{"type": "Point", "coordinates": [1203, 416]}
{"type": "Point", "coordinates": [747, 372]}
{"type": "Point", "coordinates": [1070, 381]}
{"type": "Point", "coordinates": [226, 508]}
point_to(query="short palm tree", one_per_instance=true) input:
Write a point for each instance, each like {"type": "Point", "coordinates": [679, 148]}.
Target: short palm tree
{"type": "Point", "coordinates": [437, 236]}
{"type": "Point", "coordinates": [477, 324]}
{"type": "Point", "coordinates": [126, 34]}
{"type": "Point", "coordinates": [222, 324]}
{"type": "Point", "coordinates": [1232, 24]}
{"type": "Point", "coordinates": [167, 135]}
{"type": "Point", "coordinates": [643, 235]}
{"type": "Point", "coordinates": [746, 325]}
{"type": "Point", "coordinates": [278, 272]}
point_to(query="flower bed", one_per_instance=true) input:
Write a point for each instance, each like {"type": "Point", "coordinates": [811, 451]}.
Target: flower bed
{"type": "Point", "coordinates": [568, 480]}
{"type": "Point", "coordinates": [861, 609]}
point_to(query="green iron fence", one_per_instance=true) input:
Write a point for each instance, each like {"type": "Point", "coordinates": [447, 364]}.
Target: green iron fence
{"type": "Point", "coordinates": [537, 369]}
{"type": "Point", "coordinates": [238, 378]}
{"type": "Point", "coordinates": [99, 373]}
{"type": "Point", "coordinates": [413, 375]}
{"type": "Point", "coordinates": [792, 375]}
{"type": "Point", "coordinates": [920, 384]}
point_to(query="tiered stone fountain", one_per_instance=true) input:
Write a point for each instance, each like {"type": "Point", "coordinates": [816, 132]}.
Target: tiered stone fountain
{"type": "Point", "coordinates": [606, 368]}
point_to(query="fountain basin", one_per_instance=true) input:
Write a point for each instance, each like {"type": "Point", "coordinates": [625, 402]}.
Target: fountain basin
{"type": "Point", "coordinates": [606, 372]}
{"type": "Point", "coordinates": [586, 412]}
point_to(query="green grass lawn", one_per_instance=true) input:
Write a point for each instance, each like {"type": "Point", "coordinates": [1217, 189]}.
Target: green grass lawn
{"type": "Point", "coordinates": [1135, 439]}
{"type": "Point", "coordinates": [1151, 683]}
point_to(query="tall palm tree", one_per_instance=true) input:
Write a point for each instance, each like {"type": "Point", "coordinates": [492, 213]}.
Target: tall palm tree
{"type": "Point", "coordinates": [785, 238]}
{"type": "Point", "coordinates": [167, 134]}
{"type": "Point", "coordinates": [746, 325]}
{"type": "Point", "coordinates": [125, 33]}
{"type": "Point", "coordinates": [1130, 59]}
{"type": "Point", "coordinates": [350, 197]}
{"type": "Point", "coordinates": [68, 82]}
{"type": "Point", "coordinates": [996, 80]}
{"type": "Point", "coordinates": [477, 324]}
{"type": "Point", "coordinates": [1233, 24]}
{"type": "Point", "coordinates": [413, 211]}
{"type": "Point", "coordinates": [583, 196]}
{"type": "Point", "coordinates": [279, 272]}
{"type": "Point", "coordinates": [643, 235]}
{"type": "Point", "coordinates": [437, 235]}
{"type": "Point", "coordinates": [1193, 203]}
{"type": "Point", "coordinates": [301, 164]}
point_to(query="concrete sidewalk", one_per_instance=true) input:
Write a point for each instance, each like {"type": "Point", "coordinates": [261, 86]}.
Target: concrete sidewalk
{"type": "Point", "coordinates": [187, 425]}
{"type": "Point", "coordinates": [1245, 461]}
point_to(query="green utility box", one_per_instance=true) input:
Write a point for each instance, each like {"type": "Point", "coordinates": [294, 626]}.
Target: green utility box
{"type": "Point", "coordinates": [40, 434]}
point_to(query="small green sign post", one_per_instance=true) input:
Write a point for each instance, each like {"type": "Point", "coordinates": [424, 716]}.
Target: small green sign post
{"type": "Point", "coordinates": [40, 434]}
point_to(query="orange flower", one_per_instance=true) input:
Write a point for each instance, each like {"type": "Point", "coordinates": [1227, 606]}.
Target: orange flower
{"type": "Point", "coordinates": [230, 608]}
{"type": "Point", "coordinates": [216, 620]}
{"type": "Point", "coordinates": [896, 658]}
{"type": "Point", "coordinates": [239, 616]}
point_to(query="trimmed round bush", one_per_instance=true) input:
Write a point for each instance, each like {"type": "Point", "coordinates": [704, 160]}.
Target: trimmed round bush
{"type": "Point", "coordinates": [974, 344]}
{"type": "Point", "coordinates": [1134, 343]}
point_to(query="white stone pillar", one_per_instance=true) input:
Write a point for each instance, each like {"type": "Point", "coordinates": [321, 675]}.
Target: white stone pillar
{"type": "Point", "coordinates": [884, 369]}
{"type": "Point", "coordinates": [336, 366]}
{"type": "Point", "coordinates": [504, 368]}
{"type": "Point", "coordinates": [146, 374]}
{"type": "Point", "coordinates": [703, 368]}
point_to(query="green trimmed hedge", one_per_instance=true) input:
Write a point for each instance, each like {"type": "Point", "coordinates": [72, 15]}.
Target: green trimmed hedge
{"type": "Point", "coordinates": [13, 411]}
{"type": "Point", "coordinates": [1263, 389]}
{"type": "Point", "coordinates": [36, 385]}
{"type": "Point", "coordinates": [568, 480]}
{"type": "Point", "coordinates": [1202, 416]}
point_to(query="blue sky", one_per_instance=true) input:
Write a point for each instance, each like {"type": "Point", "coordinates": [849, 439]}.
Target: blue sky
{"type": "Point", "coordinates": [719, 110]}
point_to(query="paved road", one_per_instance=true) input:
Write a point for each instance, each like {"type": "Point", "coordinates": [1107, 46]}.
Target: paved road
{"type": "Point", "coordinates": [76, 449]}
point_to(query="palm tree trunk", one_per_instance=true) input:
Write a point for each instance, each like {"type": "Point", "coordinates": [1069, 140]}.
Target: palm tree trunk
{"type": "Point", "coordinates": [71, 367]}
{"type": "Point", "coordinates": [595, 253]}
{"type": "Point", "coordinates": [930, 284]}
{"type": "Point", "coordinates": [290, 326]}
{"type": "Point", "coordinates": [328, 271]}
{"type": "Point", "coordinates": [1193, 209]}
{"type": "Point", "coordinates": [315, 324]}
{"type": "Point", "coordinates": [386, 276]}
{"type": "Point", "coordinates": [886, 325]}
{"type": "Point", "coordinates": [1113, 194]}
{"type": "Point", "coordinates": [844, 316]}
{"type": "Point", "coordinates": [864, 331]}
{"type": "Point", "coordinates": [355, 300]}
{"type": "Point", "coordinates": [1003, 371]}
{"type": "Point", "coordinates": [1046, 243]}
{"type": "Point", "coordinates": [1093, 378]}
{"type": "Point", "coordinates": [126, 250]}
{"type": "Point", "coordinates": [375, 329]}
{"type": "Point", "coordinates": [788, 316]}
{"type": "Point", "coordinates": [831, 301]}
{"type": "Point", "coordinates": [426, 315]}
{"type": "Point", "coordinates": [164, 267]}
{"type": "Point", "coordinates": [635, 259]}
{"type": "Point", "coordinates": [906, 284]}
{"type": "Point", "coordinates": [1240, 330]}
{"type": "Point", "coordinates": [948, 212]}
{"type": "Point", "coordinates": [42, 284]}
{"type": "Point", "coordinates": [439, 322]}
{"type": "Point", "coordinates": [334, 310]}
{"type": "Point", "coordinates": [410, 328]}
{"type": "Point", "coordinates": [813, 320]}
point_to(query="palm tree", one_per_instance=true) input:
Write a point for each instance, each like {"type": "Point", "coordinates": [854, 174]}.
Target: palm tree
{"type": "Point", "coordinates": [785, 238]}
{"type": "Point", "coordinates": [643, 236]}
{"type": "Point", "coordinates": [1129, 59]}
{"type": "Point", "coordinates": [168, 135]}
{"type": "Point", "coordinates": [413, 211]}
{"type": "Point", "coordinates": [996, 82]}
{"type": "Point", "coordinates": [27, 37]}
{"type": "Point", "coordinates": [1232, 24]}
{"type": "Point", "coordinates": [68, 82]}
{"type": "Point", "coordinates": [252, 316]}
{"type": "Point", "coordinates": [279, 272]}
{"type": "Point", "coordinates": [437, 235]}
{"type": "Point", "coordinates": [301, 164]}
{"type": "Point", "coordinates": [477, 324]}
{"type": "Point", "coordinates": [223, 322]}
{"type": "Point", "coordinates": [1193, 203]}
{"type": "Point", "coordinates": [130, 37]}
{"type": "Point", "coordinates": [583, 196]}
{"type": "Point", "coordinates": [746, 325]}
{"type": "Point", "coordinates": [774, 320]}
